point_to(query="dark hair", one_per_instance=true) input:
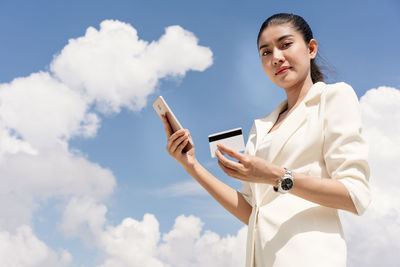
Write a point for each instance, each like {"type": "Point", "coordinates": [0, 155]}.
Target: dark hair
{"type": "Point", "coordinates": [301, 26]}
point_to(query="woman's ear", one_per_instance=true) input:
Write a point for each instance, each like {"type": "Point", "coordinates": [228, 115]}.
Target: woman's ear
{"type": "Point", "coordinates": [312, 48]}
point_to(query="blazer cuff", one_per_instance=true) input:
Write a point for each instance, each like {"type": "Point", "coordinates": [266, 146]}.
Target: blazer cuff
{"type": "Point", "coordinates": [359, 193]}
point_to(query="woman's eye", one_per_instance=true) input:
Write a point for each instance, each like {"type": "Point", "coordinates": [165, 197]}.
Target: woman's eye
{"type": "Point", "coordinates": [287, 44]}
{"type": "Point", "coordinates": [265, 53]}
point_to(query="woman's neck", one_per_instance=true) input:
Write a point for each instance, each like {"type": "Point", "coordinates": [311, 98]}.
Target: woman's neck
{"type": "Point", "coordinates": [297, 93]}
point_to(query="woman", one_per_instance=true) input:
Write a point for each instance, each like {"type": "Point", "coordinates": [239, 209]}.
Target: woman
{"type": "Point", "coordinates": [303, 162]}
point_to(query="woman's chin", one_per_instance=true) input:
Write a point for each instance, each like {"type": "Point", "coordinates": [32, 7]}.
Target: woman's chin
{"type": "Point", "coordinates": [285, 83]}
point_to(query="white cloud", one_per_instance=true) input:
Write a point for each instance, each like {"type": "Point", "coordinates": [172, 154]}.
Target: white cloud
{"type": "Point", "coordinates": [132, 243]}
{"type": "Point", "coordinates": [83, 218]}
{"type": "Point", "coordinates": [137, 243]}
{"type": "Point", "coordinates": [113, 67]}
{"type": "Point", "coordinates": [44, 112]}
{"type": "Point", "coordinates": [11, 144]}
{"type": "Point", "coordinates": [185, 245]}
{"type": "Point", "coordinates": [28, 180]}
{"type": "Point", "coordinates": [374, 238]}
{"type": "Point", "coordinates": [24, 249]}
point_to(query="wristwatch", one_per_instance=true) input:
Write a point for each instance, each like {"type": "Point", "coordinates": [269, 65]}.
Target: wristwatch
{"type": "Point", "coordinates": [285, 183]}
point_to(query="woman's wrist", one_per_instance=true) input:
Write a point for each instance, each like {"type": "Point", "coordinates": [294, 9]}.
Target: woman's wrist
{"type": "Point", "coordinates": [192, 166]}
{"type": "Point", "coordinates": [277, 174]}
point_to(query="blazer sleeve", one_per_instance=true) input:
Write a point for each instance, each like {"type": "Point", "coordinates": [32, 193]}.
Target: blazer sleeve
{"type": "Point", "coordinates": [246, 192]}
{"type": "Point", "coordinates": [345, 149]}
{"type": "Point", "coordinates": [246, 189]}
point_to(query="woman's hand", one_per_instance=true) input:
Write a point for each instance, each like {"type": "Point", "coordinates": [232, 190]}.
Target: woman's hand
{"type": "Point", "coordinates": [176, 142]}
{"type": "Point", "coordinates": [249, 168]}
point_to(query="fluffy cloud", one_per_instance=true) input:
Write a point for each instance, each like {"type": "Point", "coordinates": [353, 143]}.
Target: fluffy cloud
{"type": "Point", "coordinates": [44, 176]}
{"type": "Point", "coordinates": [185, 245]}
{"type": "Point", "coordinates": [44, 112]}
{"type": "Point", "coordinates": [113, 67]}
{"type": "Point", "coordinates": [83, 217]}
{"type": "Point", "coordinates": [373, 239]}
{"type": "Point", "coordinates": [103, 71]}
{"type": "Point", "coordinates": [139, 243]}
{"type": "Point", "coordinates": [24, 249]}
{"type": "Point", "coordinates": [134, 243]}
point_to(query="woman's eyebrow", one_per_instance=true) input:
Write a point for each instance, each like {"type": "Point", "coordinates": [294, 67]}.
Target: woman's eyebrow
{"type": "Point", "coordinates": [278, 40]}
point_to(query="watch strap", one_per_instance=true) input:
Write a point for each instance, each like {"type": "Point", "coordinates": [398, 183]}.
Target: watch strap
{"type": "Point", "coordinates": [288, 174]}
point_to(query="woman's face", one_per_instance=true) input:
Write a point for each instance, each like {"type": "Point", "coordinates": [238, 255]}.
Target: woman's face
{"type": "Point", "coordinates": [281, 46]}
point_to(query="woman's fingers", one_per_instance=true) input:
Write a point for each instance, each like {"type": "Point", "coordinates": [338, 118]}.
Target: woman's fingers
{"type": "Point", "coordinates": [177, 142]}
{"type": "Point", "coordinates": [225, 169]}
{"type": "Point", "coordinates": [230, 172]}
{"type": "Point", "coordinates": [182, 145]}
{"type": "Point", "coordinates": [230, 152]}
{"type": "Point", "coordinates": [228, 163]}
{"type": "Point", "coordinates": [173, 141]}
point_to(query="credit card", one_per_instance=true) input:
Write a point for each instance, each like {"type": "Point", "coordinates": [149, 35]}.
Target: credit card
{"type": "Point", "coordinates": [230, 138]}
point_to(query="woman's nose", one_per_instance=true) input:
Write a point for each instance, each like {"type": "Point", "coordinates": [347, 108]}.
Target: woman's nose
{"type": "Point", "coordinates": [278, 56]}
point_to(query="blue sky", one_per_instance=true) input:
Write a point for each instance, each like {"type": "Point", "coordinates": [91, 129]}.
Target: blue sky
{"type": "Point", "coordinates": [358, 39]}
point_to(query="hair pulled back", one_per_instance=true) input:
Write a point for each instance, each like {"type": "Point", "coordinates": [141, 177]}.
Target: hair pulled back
{"type": "Point", "coordinates": [302, 27]}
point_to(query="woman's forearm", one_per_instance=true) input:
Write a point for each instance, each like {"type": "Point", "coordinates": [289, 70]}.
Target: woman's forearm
{"type": "Point", "coordinates": [326, 192]}
{"type": "Point", "coordinates": [229, 198]}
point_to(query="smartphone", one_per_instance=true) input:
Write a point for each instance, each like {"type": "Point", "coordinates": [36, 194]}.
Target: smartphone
{"type": "Point", "coordinates": [162, 108]}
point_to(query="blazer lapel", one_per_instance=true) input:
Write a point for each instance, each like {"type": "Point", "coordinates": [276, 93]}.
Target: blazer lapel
{"type": "Point", "coordinates": [287, 129]}
{"type": "Point", "coordinates": [263, 125]}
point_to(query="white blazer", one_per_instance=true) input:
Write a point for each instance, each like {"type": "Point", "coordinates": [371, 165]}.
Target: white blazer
{"type": "Point", "coordinates": [322, 137]}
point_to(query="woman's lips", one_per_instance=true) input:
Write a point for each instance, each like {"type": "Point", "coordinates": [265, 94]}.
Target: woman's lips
{"type": "Point", "coordinates": [282, 70]}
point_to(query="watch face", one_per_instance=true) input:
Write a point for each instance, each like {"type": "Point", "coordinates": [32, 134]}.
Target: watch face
{"type": "Point", "coordinates": [287, 184]}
